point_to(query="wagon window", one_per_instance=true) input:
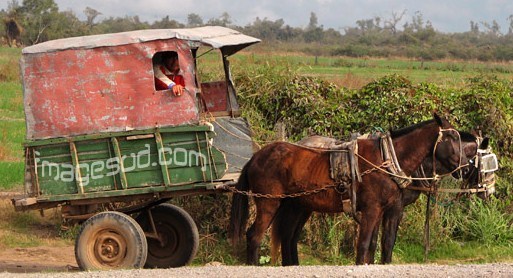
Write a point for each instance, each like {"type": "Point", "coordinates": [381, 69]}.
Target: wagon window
{"type": "Point", "coordinates": [213, 82]}
{"type": "Point", "coordinates": [210, 65]}
{"type": "Point", "coordinates": [166, 70]}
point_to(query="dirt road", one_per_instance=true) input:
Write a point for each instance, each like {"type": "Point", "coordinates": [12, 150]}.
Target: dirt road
{"type": "Point", "coordinates": [37, 259]}
{"type": "Point", "coordinates": [374, 271]}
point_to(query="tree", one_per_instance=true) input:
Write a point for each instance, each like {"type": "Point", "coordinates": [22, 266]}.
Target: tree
{"type": "Point", "coordinates": [492, 28]}
{"type": "Point", "coordinates": [66, 24]}
{"type": "Point", "coordinates": [166, 23]}
{"type": "Point", "coordinates": [91, 15]}
{"type": "Point", "coordinates": [313, 32]}
{"type": "Point", "coordinates": [120, 24]}
{"type": "Point", "coordinates": [369, 25]}
{"type": "Point", "coordinates": [391, 24]}
{"type": "Point", "coordinates": [37, 17]}
{"type": "Point", "coordinates": [224, 20]}
{"type": "Point", "coordinates": [313, 21]}
{"type": "Point", "coordinates": [194, 20]}
{"type": "Point", "coordinates": [11, 26]}
{"type": "Point", "coordinates": [474, 27]}
{"type": "Point", "coordinates": [265, 28]}
{"type": "Point", "coordinates": [510, 19]}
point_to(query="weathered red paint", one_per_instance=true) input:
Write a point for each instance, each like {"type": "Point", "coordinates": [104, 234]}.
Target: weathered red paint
{"type": "Point", "coordinates": [214, 96]}
{"type": "Point", "coordinates": [103, 89]}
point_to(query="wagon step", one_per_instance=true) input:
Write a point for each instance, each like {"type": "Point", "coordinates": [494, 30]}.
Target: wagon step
{"type": "Point", "coordinates": [29, 203]}
{"type": "Point", "coordinates": [24, 202]}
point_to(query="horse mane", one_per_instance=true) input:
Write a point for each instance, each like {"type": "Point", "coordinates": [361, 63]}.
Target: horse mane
{"type": "Point", "coordinates": [408, 129]}
{"type": "Point", "coordinates": [467, 137]}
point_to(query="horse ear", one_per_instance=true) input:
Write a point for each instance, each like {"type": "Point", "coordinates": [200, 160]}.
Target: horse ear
{"type": "Point", "coordinates": [484, 145]}
{"type": "Point", "coordinates": [438, 119]}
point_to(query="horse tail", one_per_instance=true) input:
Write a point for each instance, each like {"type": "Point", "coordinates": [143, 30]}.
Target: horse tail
{"type": "Point", "coordinates": [275, 238]}
{"type": "Point", "coordinates": [240, 208]}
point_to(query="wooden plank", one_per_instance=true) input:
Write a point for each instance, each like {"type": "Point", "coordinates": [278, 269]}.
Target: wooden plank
{"type": "Point", "coordinates": [202, 162]}
{"type": "Point", "coordinates": [107, 135]}
{"type": "Point", "coordinates": [35, 177]}
{"type": "Point", "coordinates": [76, 166]}
{"type": "Point", "coordinates": [211, 160]}
{"type": "Point", "coordinates": [117, 152]}
{"type": "Point", "coordinates": [163, 162]}
{"type": "Point", "coordinates": [127, 192]}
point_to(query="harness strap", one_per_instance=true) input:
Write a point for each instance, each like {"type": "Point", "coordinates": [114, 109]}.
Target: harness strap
{"type": "Point", "coordinates": [388, 151]}
{"type": "Point", "coordinates": [447, 190]}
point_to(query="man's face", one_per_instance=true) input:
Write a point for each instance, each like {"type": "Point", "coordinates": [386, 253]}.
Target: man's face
{"type": "Point", "coordinates": [172, 65]}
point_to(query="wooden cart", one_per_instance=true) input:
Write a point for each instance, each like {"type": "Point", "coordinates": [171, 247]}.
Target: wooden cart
{"type": "Point", "coordinates": [107, 146]}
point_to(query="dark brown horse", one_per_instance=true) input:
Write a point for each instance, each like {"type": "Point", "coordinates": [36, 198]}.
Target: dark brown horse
{"type": "Point", "coordinates": [284, 168]}
{"type": "Point", "coordinates": [291, 217]}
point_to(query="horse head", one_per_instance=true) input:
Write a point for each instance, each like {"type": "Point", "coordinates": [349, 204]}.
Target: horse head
{"type": "Point", "coordinates": [449, 148]}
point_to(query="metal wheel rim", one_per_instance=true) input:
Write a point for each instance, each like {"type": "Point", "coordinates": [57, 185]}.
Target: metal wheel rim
{"type": "Point", "coordinates": [168, 243]}
{"type": "Point", "coordinates": [109, 248]}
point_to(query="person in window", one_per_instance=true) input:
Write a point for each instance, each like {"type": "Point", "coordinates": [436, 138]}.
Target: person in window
{"type": "Point", "coordinates": [167, 74]}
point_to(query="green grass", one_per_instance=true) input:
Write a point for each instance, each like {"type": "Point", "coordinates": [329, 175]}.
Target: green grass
{"type": "Point", "coordinates": [11, 101]}
{"type": "Point", "coordinates": [452, 252]}
{"type": "Point", "coordinates": [12, 134]}
{"type": "Point", "coordinates": [11, 175]}
{"type": "Point", "coordinates": [12, 121]}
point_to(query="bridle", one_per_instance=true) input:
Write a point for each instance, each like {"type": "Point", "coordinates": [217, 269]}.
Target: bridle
{"type": "Point", "coordinates": [460, 166]}
{"type": "Point", "coordinates": [436, 177]}
{"type": "Point", "coordinates": [484, 162]}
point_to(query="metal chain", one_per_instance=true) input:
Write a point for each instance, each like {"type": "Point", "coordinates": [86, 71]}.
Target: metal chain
{"type": "Point", "coordinates": [280, 196]}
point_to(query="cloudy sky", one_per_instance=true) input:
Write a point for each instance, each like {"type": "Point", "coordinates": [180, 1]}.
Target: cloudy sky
{"type": "Point", "coordinates": [445, 15]}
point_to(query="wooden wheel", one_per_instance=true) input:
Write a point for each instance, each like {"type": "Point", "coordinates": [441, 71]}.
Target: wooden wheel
{"type": "Point", "coordinates": [110, 240]}
{"type": "Point", "coordinates": [175, 240]}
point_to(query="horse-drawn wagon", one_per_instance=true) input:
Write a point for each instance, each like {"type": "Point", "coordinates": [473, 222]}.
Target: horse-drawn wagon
{"type": "Point", "coordinates": [104, 143]}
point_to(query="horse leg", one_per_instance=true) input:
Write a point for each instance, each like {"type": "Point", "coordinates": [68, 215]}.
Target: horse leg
{"type": "Point", "coordinates": [391, 219]}
{"type": "Point", "coordinates": [284, 224]}
{"type": "Point", "coordinates": [303, 217]}
{"type": "Point", "coordinates": [373, 244]}
{"type": "Point", "coordinates": [287, 226]}
{"type": "Point", "coordinates": [265, 212]}
{"type": "Point", "coordinates": [370, 219]}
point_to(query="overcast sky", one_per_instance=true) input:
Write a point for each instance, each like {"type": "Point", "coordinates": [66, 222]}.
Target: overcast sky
{"type": "Point", "coordinates": [445, 15]}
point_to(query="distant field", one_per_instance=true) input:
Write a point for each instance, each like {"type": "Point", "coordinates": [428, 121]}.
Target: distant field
{"type": "Point", "coordinates": [354, 72]}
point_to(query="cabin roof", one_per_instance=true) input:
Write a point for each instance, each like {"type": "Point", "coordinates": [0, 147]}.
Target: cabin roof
{"type": "Point", "coordinates": [226, 39]}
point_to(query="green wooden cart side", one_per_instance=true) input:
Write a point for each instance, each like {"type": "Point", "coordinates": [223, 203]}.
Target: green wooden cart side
{"type": "Point", "coordinates": [120, 164]}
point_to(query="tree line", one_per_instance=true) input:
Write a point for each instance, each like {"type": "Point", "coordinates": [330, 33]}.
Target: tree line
{"type": "Point", "coordinates": [35, 21]}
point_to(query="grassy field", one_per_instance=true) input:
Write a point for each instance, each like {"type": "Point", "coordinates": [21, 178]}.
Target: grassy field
{"type": "Point", "coordinates": [354, 73]}
{"type": "Point", "coordinates": [15, 228]}
{"type": "Point", "coordinates": [12, 121]}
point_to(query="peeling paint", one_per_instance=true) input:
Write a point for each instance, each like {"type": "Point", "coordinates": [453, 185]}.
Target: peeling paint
{"type": "Point", "coordinates": [78, 86]}
{"type": "Point", "coordinates": [128, 83]}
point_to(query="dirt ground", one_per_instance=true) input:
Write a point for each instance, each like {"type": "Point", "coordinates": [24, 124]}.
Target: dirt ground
{"type": "Point", "coordinates": [32, 259]}
{"type": "Point", "coordinates": [38, 259]}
